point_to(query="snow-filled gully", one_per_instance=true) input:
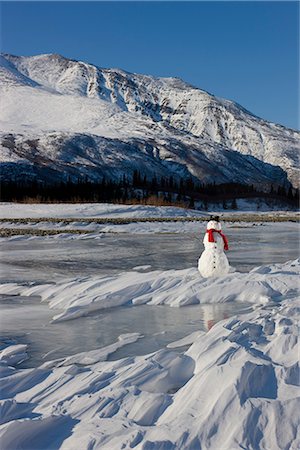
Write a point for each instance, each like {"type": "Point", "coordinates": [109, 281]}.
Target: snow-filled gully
{"type": "Point", "coordinates": [237, 386]}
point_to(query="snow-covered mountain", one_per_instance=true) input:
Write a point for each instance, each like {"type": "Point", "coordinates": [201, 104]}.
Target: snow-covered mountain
{"type": "Point", "coordinates": [62, 118]}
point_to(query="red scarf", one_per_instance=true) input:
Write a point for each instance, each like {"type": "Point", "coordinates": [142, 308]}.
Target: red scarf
{"type": "Point", "coordinates": [211, 237]}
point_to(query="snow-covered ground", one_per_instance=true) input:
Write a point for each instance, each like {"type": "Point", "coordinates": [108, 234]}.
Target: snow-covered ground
{"type": "Point", "coordinates": [108, 210]}
{"type": "Point", "coordinates": [90, 210]}
{"type": "Point", "coordinates": [233, 386]}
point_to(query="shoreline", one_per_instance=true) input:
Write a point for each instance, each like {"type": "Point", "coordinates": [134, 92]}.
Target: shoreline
{"type": "Point", "coordinates": [250, 217]}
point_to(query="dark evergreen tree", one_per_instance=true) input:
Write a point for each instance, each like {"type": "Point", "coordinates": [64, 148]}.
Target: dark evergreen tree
{"type": "Point", "coordinates": [192, 203]}
{"type": "Point", "coordinates": [154, 183]}
{"type": "Point", "coordinates": [233, 204]}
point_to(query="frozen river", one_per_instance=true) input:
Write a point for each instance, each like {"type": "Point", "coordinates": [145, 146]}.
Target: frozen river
{"type": "Point", "coordinates": [26, 320]}
{"type": "Point", "coordinates": [52, 259]}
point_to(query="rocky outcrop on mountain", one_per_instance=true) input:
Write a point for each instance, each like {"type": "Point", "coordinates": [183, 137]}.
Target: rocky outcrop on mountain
{"type": "Point", "coordinates": [63, 118]}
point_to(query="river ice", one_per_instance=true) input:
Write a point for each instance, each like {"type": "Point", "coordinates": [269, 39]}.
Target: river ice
{"type": "Point", "coordinates": [54, 258]}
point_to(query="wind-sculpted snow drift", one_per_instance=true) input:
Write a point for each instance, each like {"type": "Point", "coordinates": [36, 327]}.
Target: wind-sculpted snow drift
{"type": "Point", "coordinates": [62, 118]}
{"type": "Point", "coordinates": [80, 296]}
{"type": "Point", "coordinates": [235, 387]}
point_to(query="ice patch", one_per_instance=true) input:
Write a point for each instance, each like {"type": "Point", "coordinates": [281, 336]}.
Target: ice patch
{"type": "Point", "coordinates": [94, 356]}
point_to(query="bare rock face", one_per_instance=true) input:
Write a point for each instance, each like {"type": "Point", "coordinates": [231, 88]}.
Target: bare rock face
{"type": "Point", "coordinates": [68, 117]}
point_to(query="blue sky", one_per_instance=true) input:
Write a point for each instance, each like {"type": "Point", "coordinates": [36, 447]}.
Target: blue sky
{"type": "Point", "coordinates": [243, 51]}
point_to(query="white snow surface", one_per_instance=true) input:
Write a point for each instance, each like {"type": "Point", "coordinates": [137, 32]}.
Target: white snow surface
{"type": "Point", "coordinates": [237, 386]}
{"type": "Point", "coordinates": [11, 210]}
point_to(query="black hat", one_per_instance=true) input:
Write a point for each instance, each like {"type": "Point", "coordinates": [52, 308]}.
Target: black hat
{"type": "Point", "coordinates": [216, 218]}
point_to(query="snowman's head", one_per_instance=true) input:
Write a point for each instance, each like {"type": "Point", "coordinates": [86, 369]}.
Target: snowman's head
{"type": "Point", "coordinates": [214, 225]}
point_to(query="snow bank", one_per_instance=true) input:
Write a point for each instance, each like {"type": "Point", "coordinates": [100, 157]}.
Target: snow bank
{"type": "Point", "coordinates": [91, 230]}
{"type": "Point", "coordinates": [108, 210]}
{"type": "Point", "coordinates": [80, 296]}
{"type": "Point", "coordinates": [13, 354]}
{"type": "Point", "coordinates": [237, 386]}
{"type": "Point", "coordinates": [101, 210]}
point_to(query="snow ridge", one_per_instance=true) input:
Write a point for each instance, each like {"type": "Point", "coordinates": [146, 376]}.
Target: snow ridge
{"type": "Point", "coordinates": [177, 288]}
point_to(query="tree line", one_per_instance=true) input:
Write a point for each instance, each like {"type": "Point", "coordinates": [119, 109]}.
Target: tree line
{"type": "Point", "coordinates": [139, 188]}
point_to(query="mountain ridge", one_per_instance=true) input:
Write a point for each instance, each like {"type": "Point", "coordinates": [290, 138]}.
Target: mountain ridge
{"type": "Point", "coordinates": [123, 71]}
{"type": "Point", "coordinates": [68, 97]}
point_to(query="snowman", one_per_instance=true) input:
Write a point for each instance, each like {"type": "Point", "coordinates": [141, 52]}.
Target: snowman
{"type": "Point", "coordinates": [213, 261]}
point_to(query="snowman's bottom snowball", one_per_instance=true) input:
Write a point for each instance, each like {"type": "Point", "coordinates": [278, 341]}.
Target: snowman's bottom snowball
{"type": "Point", "coordinates": [213, 264]}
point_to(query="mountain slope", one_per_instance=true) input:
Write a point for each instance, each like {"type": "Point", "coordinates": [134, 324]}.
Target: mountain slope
{"type": "Point", "coordinates": [155, 124]}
